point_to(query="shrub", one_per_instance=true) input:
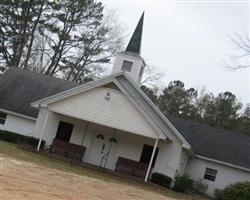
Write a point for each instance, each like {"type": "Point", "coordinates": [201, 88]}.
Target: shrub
{"type": "Point", "coordinates": [183, 184]}
{"type": "Point", "coordinates": [33, 141]}
{"type": "Point", "coordinates": [218, 194]}
{"type": "Point", "coordinates": [200, 187]}
{"type": "Point", "coordinates": [237, 191]}
{"type": "Point", "coordinates": [19, 139]}
{"type": "Point", "coordinates": [161, 180]}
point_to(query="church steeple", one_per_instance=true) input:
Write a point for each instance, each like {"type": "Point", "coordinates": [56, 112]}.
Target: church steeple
{"type": "Point", "coordinates": [130, 61]}
{"type": "Point", "coordinates": [134, 45]}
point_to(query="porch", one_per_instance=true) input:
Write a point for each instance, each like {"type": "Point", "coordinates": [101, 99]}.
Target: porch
{"type": "Point", "coordinates": [99, 145]}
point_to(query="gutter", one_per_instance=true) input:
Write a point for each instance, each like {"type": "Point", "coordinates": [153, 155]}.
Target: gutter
{"type": "Point", "coordinates": [17, 114]}
{"type": "Point", "coordinates": [223, 163]}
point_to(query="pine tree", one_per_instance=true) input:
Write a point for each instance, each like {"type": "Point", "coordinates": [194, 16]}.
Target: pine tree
{"type": "Point", "coordinates": [18, 21]}
{"type": "Point", "coordinates": [66, 38]}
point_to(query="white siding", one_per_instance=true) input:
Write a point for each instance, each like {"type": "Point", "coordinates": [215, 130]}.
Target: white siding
{"type": "Point", "coordinates": [18, 125]}
{"type": "Point", "coordinates": [118, 112]}
{"type": "Point", "coordinates": [129, 145]}
{"type": "Point", "coordinates": [225, 175]}
{"type": "Point", "coordinates": [182, 163]}
{"type": "Point", "coordinates": [168, 158]}
{"type": "Point", "coordinates": [134, 74]}
{"type": "Point", "coordinates": [50, 127]}
{"type": "Point", "coordinates": [39, 122]}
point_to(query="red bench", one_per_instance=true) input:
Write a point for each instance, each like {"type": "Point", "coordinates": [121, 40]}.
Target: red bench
{"type": "Point", "coordinates": [131, 167]}
{"type": "Point", "coordinates": [67, 149]}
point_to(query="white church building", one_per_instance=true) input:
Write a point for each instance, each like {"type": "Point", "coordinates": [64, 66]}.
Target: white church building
{"type": "Point", "coordinates": [111, 123]}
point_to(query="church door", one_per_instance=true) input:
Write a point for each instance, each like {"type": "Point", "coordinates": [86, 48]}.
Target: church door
{"type": "Point", "coordinates": [103, 150]}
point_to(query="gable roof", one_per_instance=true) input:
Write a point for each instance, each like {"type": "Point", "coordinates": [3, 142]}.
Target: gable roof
{"type": "Point", "coordinates": [132, 91]}
{"type": "Point", "coordinates": [142, 100]}
{"type": "Point", "coordinates": [19, 88]}
{"type": "Point", "coordinates": [215, 143]}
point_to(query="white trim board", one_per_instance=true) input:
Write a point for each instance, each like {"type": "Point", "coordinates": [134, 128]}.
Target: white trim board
{"type": "Point", "coordinates": [17, 114]}
{"type": "Point", "coordinates": [155, 126]}
{"type": "Point", "coordinates": [223, 163]}
{"type": "Point", "coordinates": [186, 145]}
{"type": "Point", "coordinates": [103, 124]}
{"type": "Point", "coordinates": [112, 78]}
{"type": "Point", "coordinates": [74, 91]}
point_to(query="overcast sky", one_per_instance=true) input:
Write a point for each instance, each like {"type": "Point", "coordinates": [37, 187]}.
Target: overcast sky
{"type": "Point", "coordinates": [189, 40]}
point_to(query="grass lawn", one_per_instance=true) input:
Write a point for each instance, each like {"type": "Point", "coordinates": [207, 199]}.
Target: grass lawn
{"type": "Point", "coordinates": [27, 175]}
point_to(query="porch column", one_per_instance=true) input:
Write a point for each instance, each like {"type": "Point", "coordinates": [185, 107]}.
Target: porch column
{"type": "Point", "coordinates": [42, 131]}
{"type": "Point", "coordinates": [85, 132]}
{"type": "Point", "coordinates": [151, 160]}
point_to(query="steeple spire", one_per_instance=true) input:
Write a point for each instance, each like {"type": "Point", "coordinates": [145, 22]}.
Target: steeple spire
{"type": "Point", "coordinates": [134, 45]}
{"type": "Point", "coordinates": [130, 60]}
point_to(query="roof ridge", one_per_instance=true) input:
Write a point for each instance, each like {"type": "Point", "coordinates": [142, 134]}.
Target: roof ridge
{"type": "Point", "coordinates": [208, 125]}
{"type": "Point", "coordinates": [10, 70]}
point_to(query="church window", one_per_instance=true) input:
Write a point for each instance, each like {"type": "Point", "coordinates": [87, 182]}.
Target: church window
{"type": "Point", "coordinates": [127, 66]}
{"type": "Point", "coordinates": [2, 118]}
{"type": "Point", "coordinates": [210, 174]}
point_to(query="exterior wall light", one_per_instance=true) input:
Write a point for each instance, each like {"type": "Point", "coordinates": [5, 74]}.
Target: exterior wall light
{"type": "Point", "coordinates": [107, 96]}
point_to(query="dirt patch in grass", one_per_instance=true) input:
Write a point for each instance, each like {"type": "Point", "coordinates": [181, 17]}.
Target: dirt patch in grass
{"type": "Point", "coordinates": [25, 175]}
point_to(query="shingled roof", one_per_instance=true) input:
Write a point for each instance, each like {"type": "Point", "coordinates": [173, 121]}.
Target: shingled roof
{"type": "Point", "coordinates": [207, 141]}
{"type": "Point", "coordinates": [19, 88]}
{"type": "Point", "coordinates": [134, 45]}
{"type": "Point", "coordinates": [215, 143]}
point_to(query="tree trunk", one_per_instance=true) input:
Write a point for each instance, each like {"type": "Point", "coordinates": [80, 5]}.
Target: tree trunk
{"type": "Point", "coordinates": [25, 66]}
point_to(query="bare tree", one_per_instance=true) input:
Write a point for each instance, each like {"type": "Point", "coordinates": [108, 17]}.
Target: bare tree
{"type": "Point", "coordinates": [152, 76]}
{"type": "Point", "coordinates": [241, 59]}
{"type": "Point", "coordinates": [247, 111]}
{"type": "Point", "coordinates": [38, 55]}
{"type": "Point", "coordinates": [66, 38]}
{"type": "Point", "coordinates": [107, 38]}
